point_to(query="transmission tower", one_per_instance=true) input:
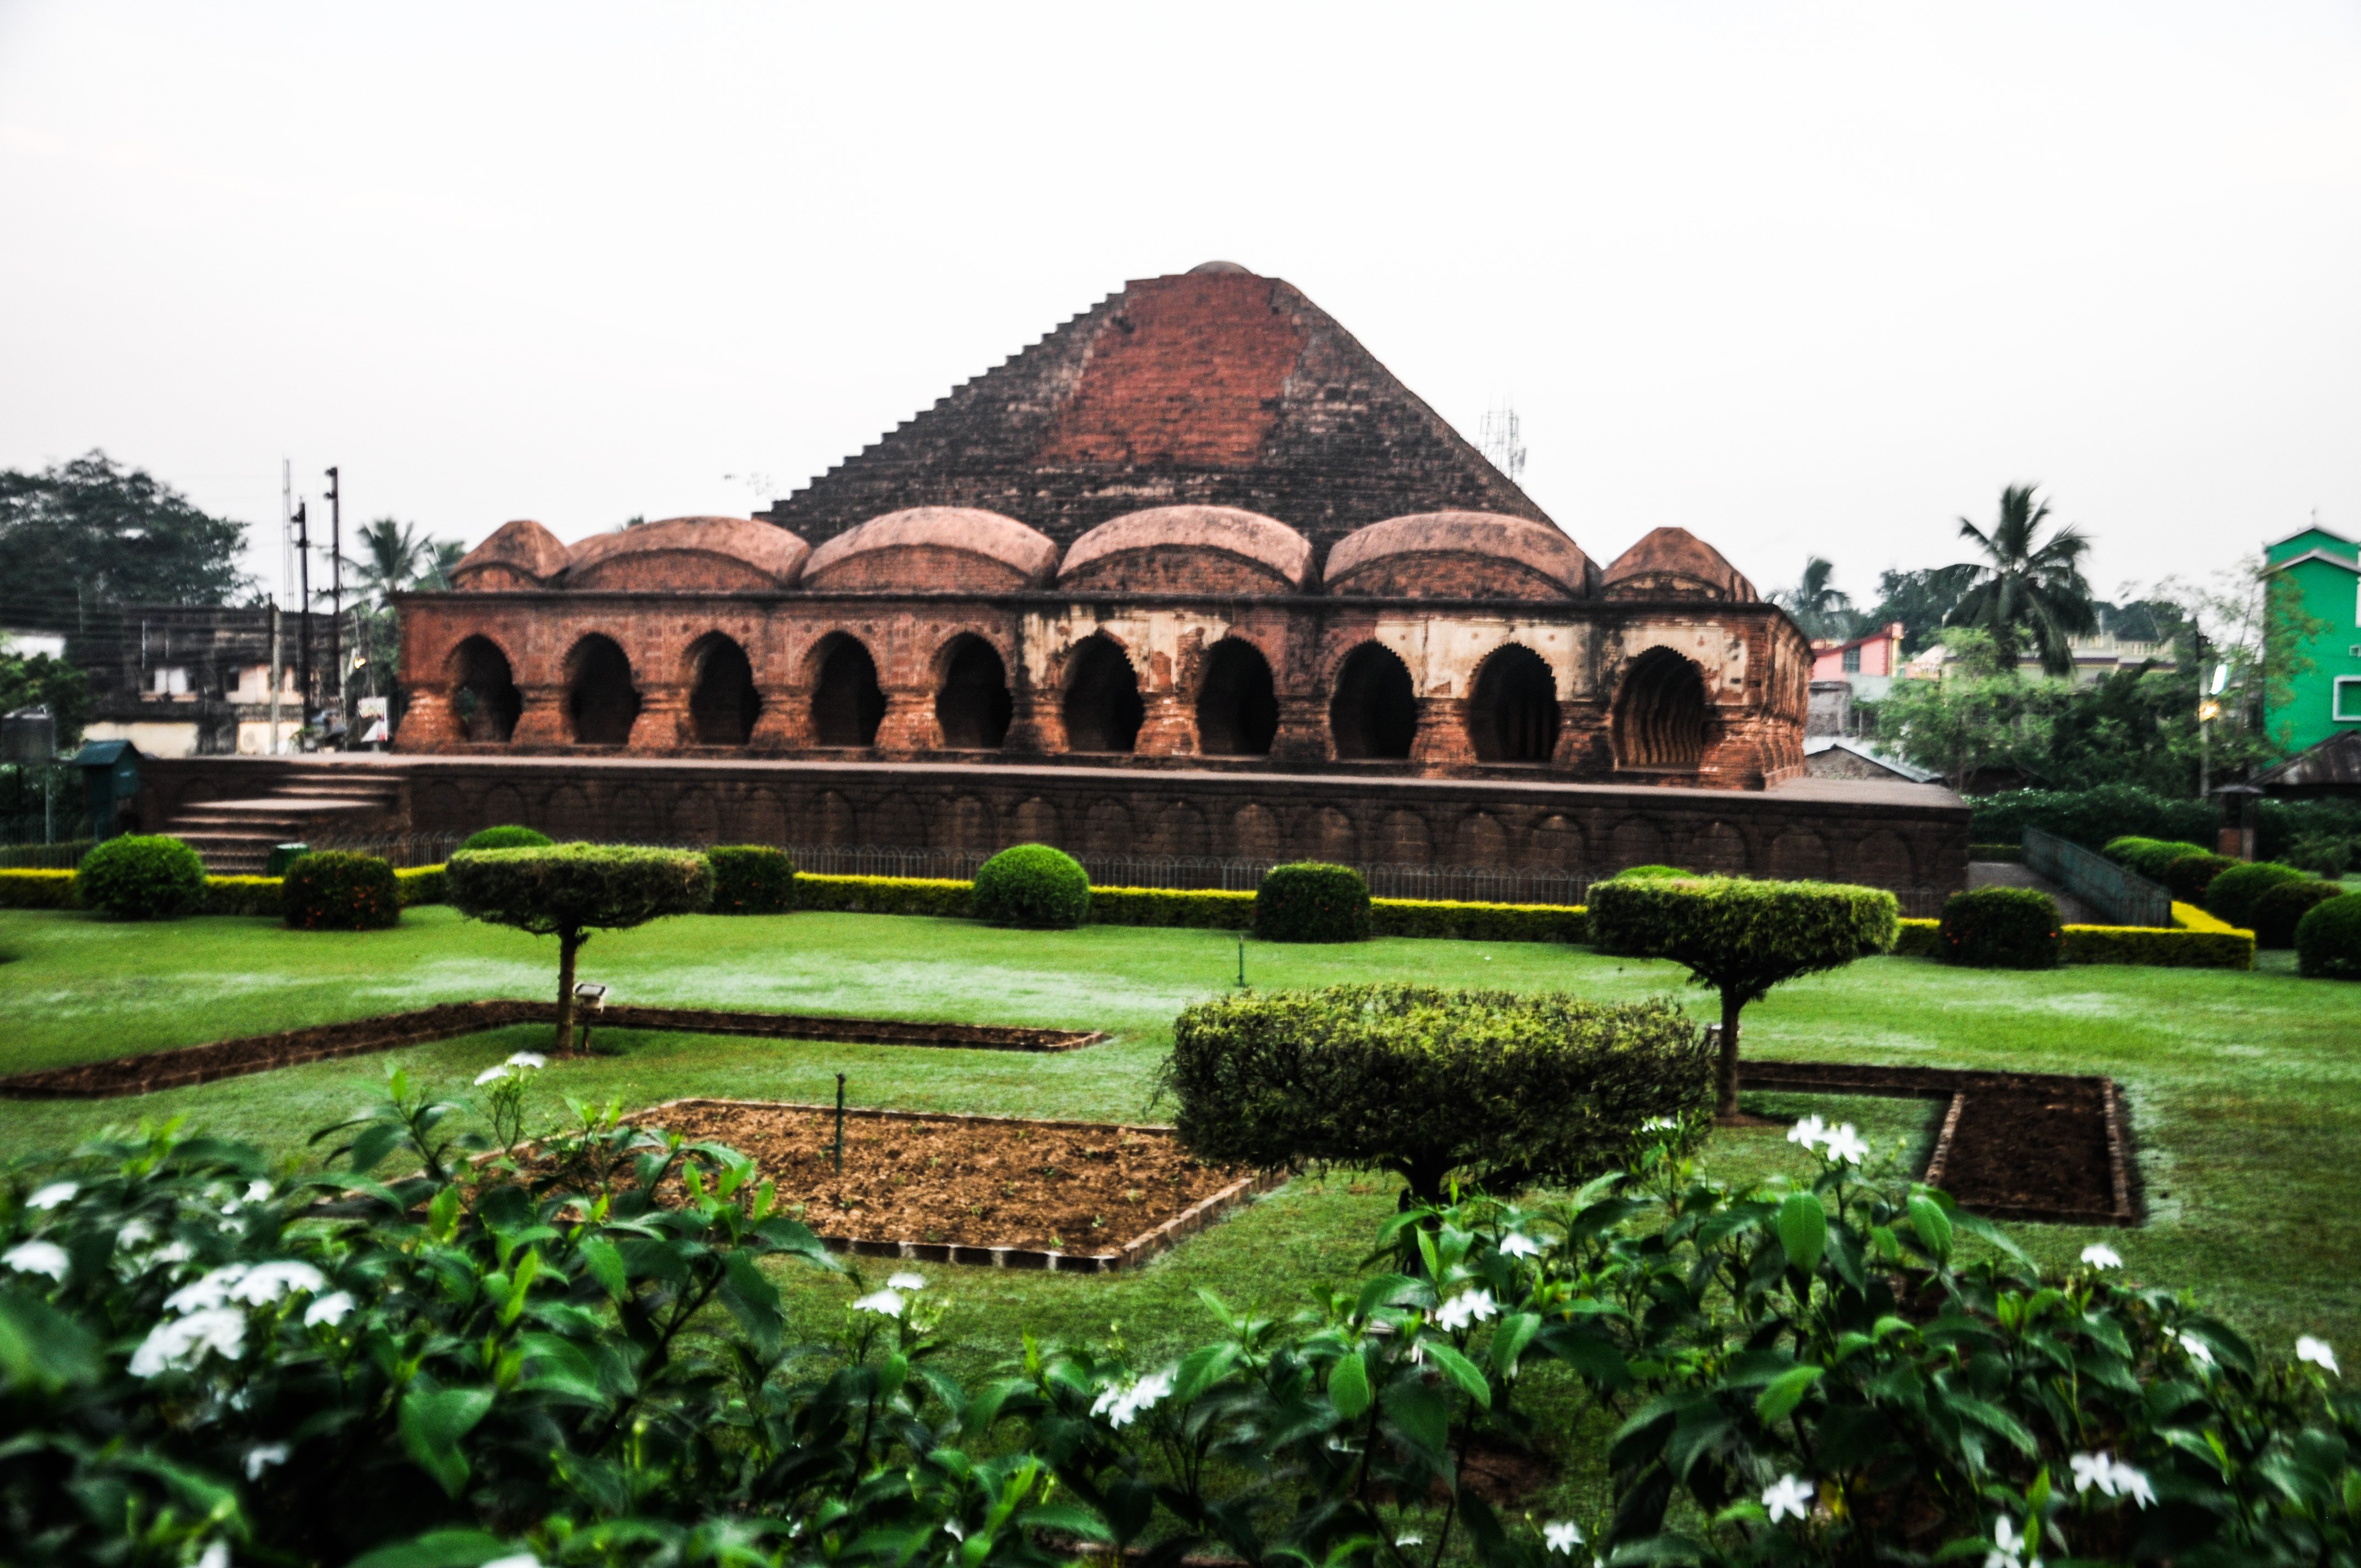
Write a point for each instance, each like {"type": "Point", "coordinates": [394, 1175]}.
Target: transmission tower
{"type": "Point", "coordinates": [1501, 439]}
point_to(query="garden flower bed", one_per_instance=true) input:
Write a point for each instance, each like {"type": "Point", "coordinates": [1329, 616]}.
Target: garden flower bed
{"type": "Point", "coordinates": [1008, 1192]}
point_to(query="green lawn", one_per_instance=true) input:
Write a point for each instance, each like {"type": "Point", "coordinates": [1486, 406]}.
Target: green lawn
{"type": "Point", "coordinates": [2245, 1088]}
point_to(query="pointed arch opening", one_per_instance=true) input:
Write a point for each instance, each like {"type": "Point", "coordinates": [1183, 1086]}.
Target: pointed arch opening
{"type": "Point", "coordinates": [1237, 706]}
{"type": "Point", "coordinates": [722, 701]}
{"type": "Point", "coordinates": [1374, 713]}
{"type": "Point", "coordinates": [1513, 716]}
{"type": "Point", "coordinates": [1659, 714]}
{"type": "Point", "coordinates": [1102, 708]}
{"type": "Point", "coordinates": [846, 702]}
{"type": "Point", "coordinates": [972, 706]}
{"type": "Point", "coordinates": [601, 704]}
{"type": "Point", "coordinates": [484, 702]}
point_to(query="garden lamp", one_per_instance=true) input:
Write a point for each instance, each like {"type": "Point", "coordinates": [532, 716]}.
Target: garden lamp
{"type": "Point", "coordinates": [592, 996]}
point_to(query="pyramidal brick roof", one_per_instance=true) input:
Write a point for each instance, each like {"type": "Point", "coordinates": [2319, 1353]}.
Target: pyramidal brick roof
{"type": "Point", "coordinates": [1212, 388]}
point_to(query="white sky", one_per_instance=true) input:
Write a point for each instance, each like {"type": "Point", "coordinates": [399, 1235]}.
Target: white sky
{"type": "Point", "coordinates": [1796, 278]}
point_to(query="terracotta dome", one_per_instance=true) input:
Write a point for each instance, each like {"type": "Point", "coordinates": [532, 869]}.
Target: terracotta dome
{"type": "Point", "coordinates": [941, 548]}
{"type": "Point", "coordinates": [692, 553]}
{"type": "Point", "coordinates": [1673, 563]}
{"type": "Point", "coordinates": [1459, 555]}
{"type": "Point", "coordinates": [520, 554]}
{"type": "Point", "coordinates": [1189, 550]}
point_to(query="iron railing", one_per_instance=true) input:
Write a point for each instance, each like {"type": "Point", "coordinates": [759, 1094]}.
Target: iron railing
{"type": "Point", "coordinates": [59, 857]}
{"type": "Point", "coordinates": [2122, 895]}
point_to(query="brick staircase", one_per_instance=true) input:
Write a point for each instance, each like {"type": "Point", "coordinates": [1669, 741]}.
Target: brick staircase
{"type": "Point", "coordinates": [234, 837]}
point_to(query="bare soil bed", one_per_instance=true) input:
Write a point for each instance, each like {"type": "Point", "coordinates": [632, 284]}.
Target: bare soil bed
{"type": "Point", "coordinates": [985, 1190]}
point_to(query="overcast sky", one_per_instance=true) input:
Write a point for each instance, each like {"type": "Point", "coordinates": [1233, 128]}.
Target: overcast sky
{"type": "Point", "coordinates": [1799, 279]}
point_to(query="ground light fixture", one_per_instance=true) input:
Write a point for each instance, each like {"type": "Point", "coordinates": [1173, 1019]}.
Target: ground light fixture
{"type": "Point", "coordinates": [592, 996]}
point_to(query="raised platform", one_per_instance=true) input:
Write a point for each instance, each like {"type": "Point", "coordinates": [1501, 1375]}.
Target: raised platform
{"type": "Point", "coordinates": [1910, 837]}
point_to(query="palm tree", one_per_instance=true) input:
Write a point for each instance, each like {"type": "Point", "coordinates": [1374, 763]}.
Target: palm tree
{"type": "Point", "coordinates": [392, 557]}
{"type": "Point", "coordinates": [2025, 590]}
{"type": "Point", "coordinates": [1822, 611]}
{"type": "Point", "coordinates": [435, 577]}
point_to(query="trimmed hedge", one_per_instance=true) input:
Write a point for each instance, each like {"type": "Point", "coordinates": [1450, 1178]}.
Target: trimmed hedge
{"type": "Point", "coordinates": [1504, 1090]}
{"type": "Point", "coordinates": [1479, 922]}
{"type": "Point", "coordinates": [1200, 908]}
{"type": "Point", "coordinates": [1996, 851]}
{"type": "Point", "coordinates": [141, 877]}
{"type": "Point", "coordinates": [423, 884]}
{"type": "Point", "coordinates": [257, 895]}
{"type": "Point", "coordinates": [752, 879]}
{"type": "Point", "coordinates": [2158, 948]}
{"type": "Point", "coordinates": [2328, 940]}
{"type": "Point", "coordinates": [2002, 928]}
{"type": "Point", "coordinates": [1643, 873]}
{"type": "Point", "coordinates": [335, 890]}
{"type": "Point", "coordinates": [507, 837]}
{"type": "Point", "coordinates": [2188, 878]}
{"type": "Point", "coordinates": [1918, 939]}
{"type": "Point", "coordinates": [1312, 900]}
{"type": "Point", "coordinates": [884, 894]}
{"type": "Point", "coordinates": [1035, 885]}
{"type": "Point", "coordinates": [2233, 893]}
{"type": "Point", "coordinates": [30, 889]}
{"type": "Point", "coordinates": [2282, 908]}
{"type": "Point", "coordinates": [2149, 857]}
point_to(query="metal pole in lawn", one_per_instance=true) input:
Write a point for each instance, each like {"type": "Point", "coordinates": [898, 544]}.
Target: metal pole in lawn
{"type": "Point", "coordinates": [840, 1123]}
{"type": "Point", "coordinates": [1242, 963]}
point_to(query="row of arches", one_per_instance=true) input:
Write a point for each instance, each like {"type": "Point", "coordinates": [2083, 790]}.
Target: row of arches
{"type": "Point", "coordinates": [1659, 722]}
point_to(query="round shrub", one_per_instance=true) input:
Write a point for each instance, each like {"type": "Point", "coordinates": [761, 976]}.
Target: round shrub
{"type": "Point", "coordinates": [1033, 884]}
{"type": "Point", "coordinates": [331, 889]}
{"type": "Point", "coordinates": [1312, 900]}
{"type": "Point", "coordinates": [2328, 940]}
{"type": "Point", "coordinates": [2002, 928]}
{"type": "Point", "coordinates": [1505, 1089]}
{"type": "Point", "coordinates": [752, 879]}
{"type": "Point", "coordinates": [2230, 896]}
{"type": "Point", "coordinates": [1645, 873]}
{"type": "Point", "coordinates": [2150, 857]}
{"type": "Point", "coordinates": [2282, 908]}
{"type": "Point", "coordinates": [508, 837]}
{"type": "Point", "coordinates": [2187, 877]}
{"type": "Point", "coordinates": [141, 877]}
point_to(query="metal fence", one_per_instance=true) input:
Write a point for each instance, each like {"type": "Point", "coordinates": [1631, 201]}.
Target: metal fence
{"type": "Point", "coordinates": [40, 803]}
{"type": "Point", "coordinates": [63, 857]}
{"type": "Point", "coordinates": [2122, 895]}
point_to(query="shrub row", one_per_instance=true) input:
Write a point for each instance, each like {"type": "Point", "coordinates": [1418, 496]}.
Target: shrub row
{"type": "Point", "coordinates": [2148, 856]}
{"type": "Point", "coordinates": [224, 894]}
{"type": "Point", "coordinates": [2159, 948]}
{"type": "Point", "coordinates": [2000, 928]}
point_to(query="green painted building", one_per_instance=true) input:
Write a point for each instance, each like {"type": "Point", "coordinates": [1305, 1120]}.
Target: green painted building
{"type": "Point", "coordinates": [2326, 569]}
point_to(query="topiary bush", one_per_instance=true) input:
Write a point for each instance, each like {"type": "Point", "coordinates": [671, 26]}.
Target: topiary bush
{"type": "Point", "coordinates": [1503, 1089]}
{"type": "Point", "coordinates": [1312, 900]}
{"type": "Point", "coordinates": [2280, 909]}
{"type": "Point", "coordinates": [752, 879]}
{"type": "Point", "coordinates": [334, 890]}
{"type": "Point", "coordinates": [1643, 874]}
{"type": "Point", "coordinates": [1741, 936]}
{"type": "Point", "coordinates": [2230, 896]}
{"type": "Point", "coordinates": [2149, 857]}
{"type": "Point", "coordinates": [2328, 940]}
{"type": "Point", "coordinates": [507, 837]}
{"type": "Point", "coordinates": [1033, 884]}
{"type": "Point", "coordinates": [141, 877]}
{"type": "Point", "coordinates": [2188, 876]}
{"type": "Point", "coordinates": [2002, 928]}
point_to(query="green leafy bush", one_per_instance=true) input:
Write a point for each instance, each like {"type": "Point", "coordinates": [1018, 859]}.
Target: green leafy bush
{"type": "Point", "coordinates": [2187, 877]}
{"type": "Point", "coordinates": [2149, 857]}
{"type": "Point", "coordinates": [333, 890]}
{"type": "Point", "coordinates": [141, 877]}
{"type": "Point", "coordinates": [1203, 908]}
{"type": "Point", "coordinates": [2231, 896]}
{"type": "Point", "coordinates": [2002, 928]}
{"type": "Point", "coordinates": [1643, 874]}
{"type": "Point", "coordinates": [1996, 851]}
{"type": "Point", "coordinates": [2320, 853]}
{"type": "Point", "coordinates": [2328, 940]}
{"type": "Point", "coordinates": [423, 884]}
{"type": "Point", "coordinates": [753, 879]}
{"type": "Point", "coordinates": [1033, 884]}
{"type": "Point", "coordinates": [940, 896]}
{"type": "Point", "coordinates": [567, 891]}
{"type": "Point", "coordinates": [31, 888]}
{"type": "Point", "coordinates": [2280, 909]}
{"type": "Point", "coordinates": [1742, 938]}
{"type": "Point", "coordinates": [2159, 947]}
{"type": "Point", "coordinates": [1918, 939]}
{"type": "Point", "coordinates": [1311, 901]}
{"type": "Point", "coordinates": [1479, 922]}
{"type": "Point", "coordinates": [2090, 816]}
{"type": "Point", "coordinates": [1504, 1090]}
{"type": "Point", "coordinates": [507, 837]}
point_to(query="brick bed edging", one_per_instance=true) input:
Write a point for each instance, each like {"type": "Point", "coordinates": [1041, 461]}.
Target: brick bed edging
{"type": "Point", "coordinates": [191, 1065]}
{"type": "Point", "coordinates": [1133, 1253]}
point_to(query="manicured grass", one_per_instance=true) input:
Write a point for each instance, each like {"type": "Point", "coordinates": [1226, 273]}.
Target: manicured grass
{"type": "Point", "coordinates": [2244, 1088]}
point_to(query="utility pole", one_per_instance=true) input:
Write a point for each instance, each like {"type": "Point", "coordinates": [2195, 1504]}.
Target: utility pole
{"type": "Point", "coordinates": [337, 592]}
{"type": "Point", "coordinates": [272, 748]}
{"type": "Point", "coordinates": [304, 610]}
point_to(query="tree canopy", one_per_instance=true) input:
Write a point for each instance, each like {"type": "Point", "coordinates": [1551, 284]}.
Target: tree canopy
{"type": "Point", "coordinates": [89, 532]}
{"type": "Point", "coordinates": [1823, 611]}
{"type": "Point", "coordinates": [2027, 588]}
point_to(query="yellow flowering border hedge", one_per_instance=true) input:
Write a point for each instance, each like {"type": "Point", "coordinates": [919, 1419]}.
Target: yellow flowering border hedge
{"type": "Point", "coordinates": [2196, 940]}
{"type": "Point", "coordinates": [224, 894]}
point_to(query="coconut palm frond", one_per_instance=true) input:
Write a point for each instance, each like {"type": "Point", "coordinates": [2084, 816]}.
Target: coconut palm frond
{"type": "Point", "coordinates": [2024, 590]}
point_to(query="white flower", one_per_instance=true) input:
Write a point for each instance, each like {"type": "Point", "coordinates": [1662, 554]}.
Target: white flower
{"type": "Point", "coordinates": [2133, 1484]}
{"type": "Point", "coordinates": [2317, 1351]}
{"type": "Point", "coordinates": [515, 1559]}
{"type": "Point", "coordinates": [1410, 1541]}
{"type": "Point", "coordinates": [266, 1282]}
{"type": "Point", "coordinates": [905, 1280]}
{"type": "Point", "coordinates": [530, 1061]}
{"type": "Point", "coordinates": [491, 1074]}
{"type": "Point", "coordinates": [2099, 1254]}
{"type": "Point", "coordinates": [330, 1310]}
{"type": "Point", "coordinates": [2011, 1545]}
{"type": "Point", "coordinates": [215, 1556]}
{"type": "Point", "coordinates": [1846, 1146]}
{"type": "Point", "coordinates": [884, 1303]}
{"type": "Point", "coordinates": [138, 1233]}
{"type": "Point", "coordinates": [1119, 1405]}
{"type": "Point", "coordinates": [208, 1292]}
{"type": "Point", "coordinates": [1789, 1493]}
{"type": "Point", "coordinates": [182, 1342]}
{"type": "Point", "coordinates": [1807, 1132]}
{"type": "Point", "coordinates": [258, 1191]}
{"type": "Point", "coordinates": [1562, 1536]}
{"type": "Point", "coordinates": [2093, 1470]}
{"type": "Point", "coordinates": [2196, 1349]}
{"type": "Point", "coordinates": [258, 1460]}
{"type": "Point", "coordinates": [1468, 1306]}
{"type": "Point", "coordinates": [952, 1528]}
{"type": "Point", "coordinates": [55, 1194]}
{"type": "Point", "coordinates": [1660, 1124]}
{"type": "Point", "coordinates": [38, 1257]}
{"type": "Point", "coordinates": [1516, 1244]}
